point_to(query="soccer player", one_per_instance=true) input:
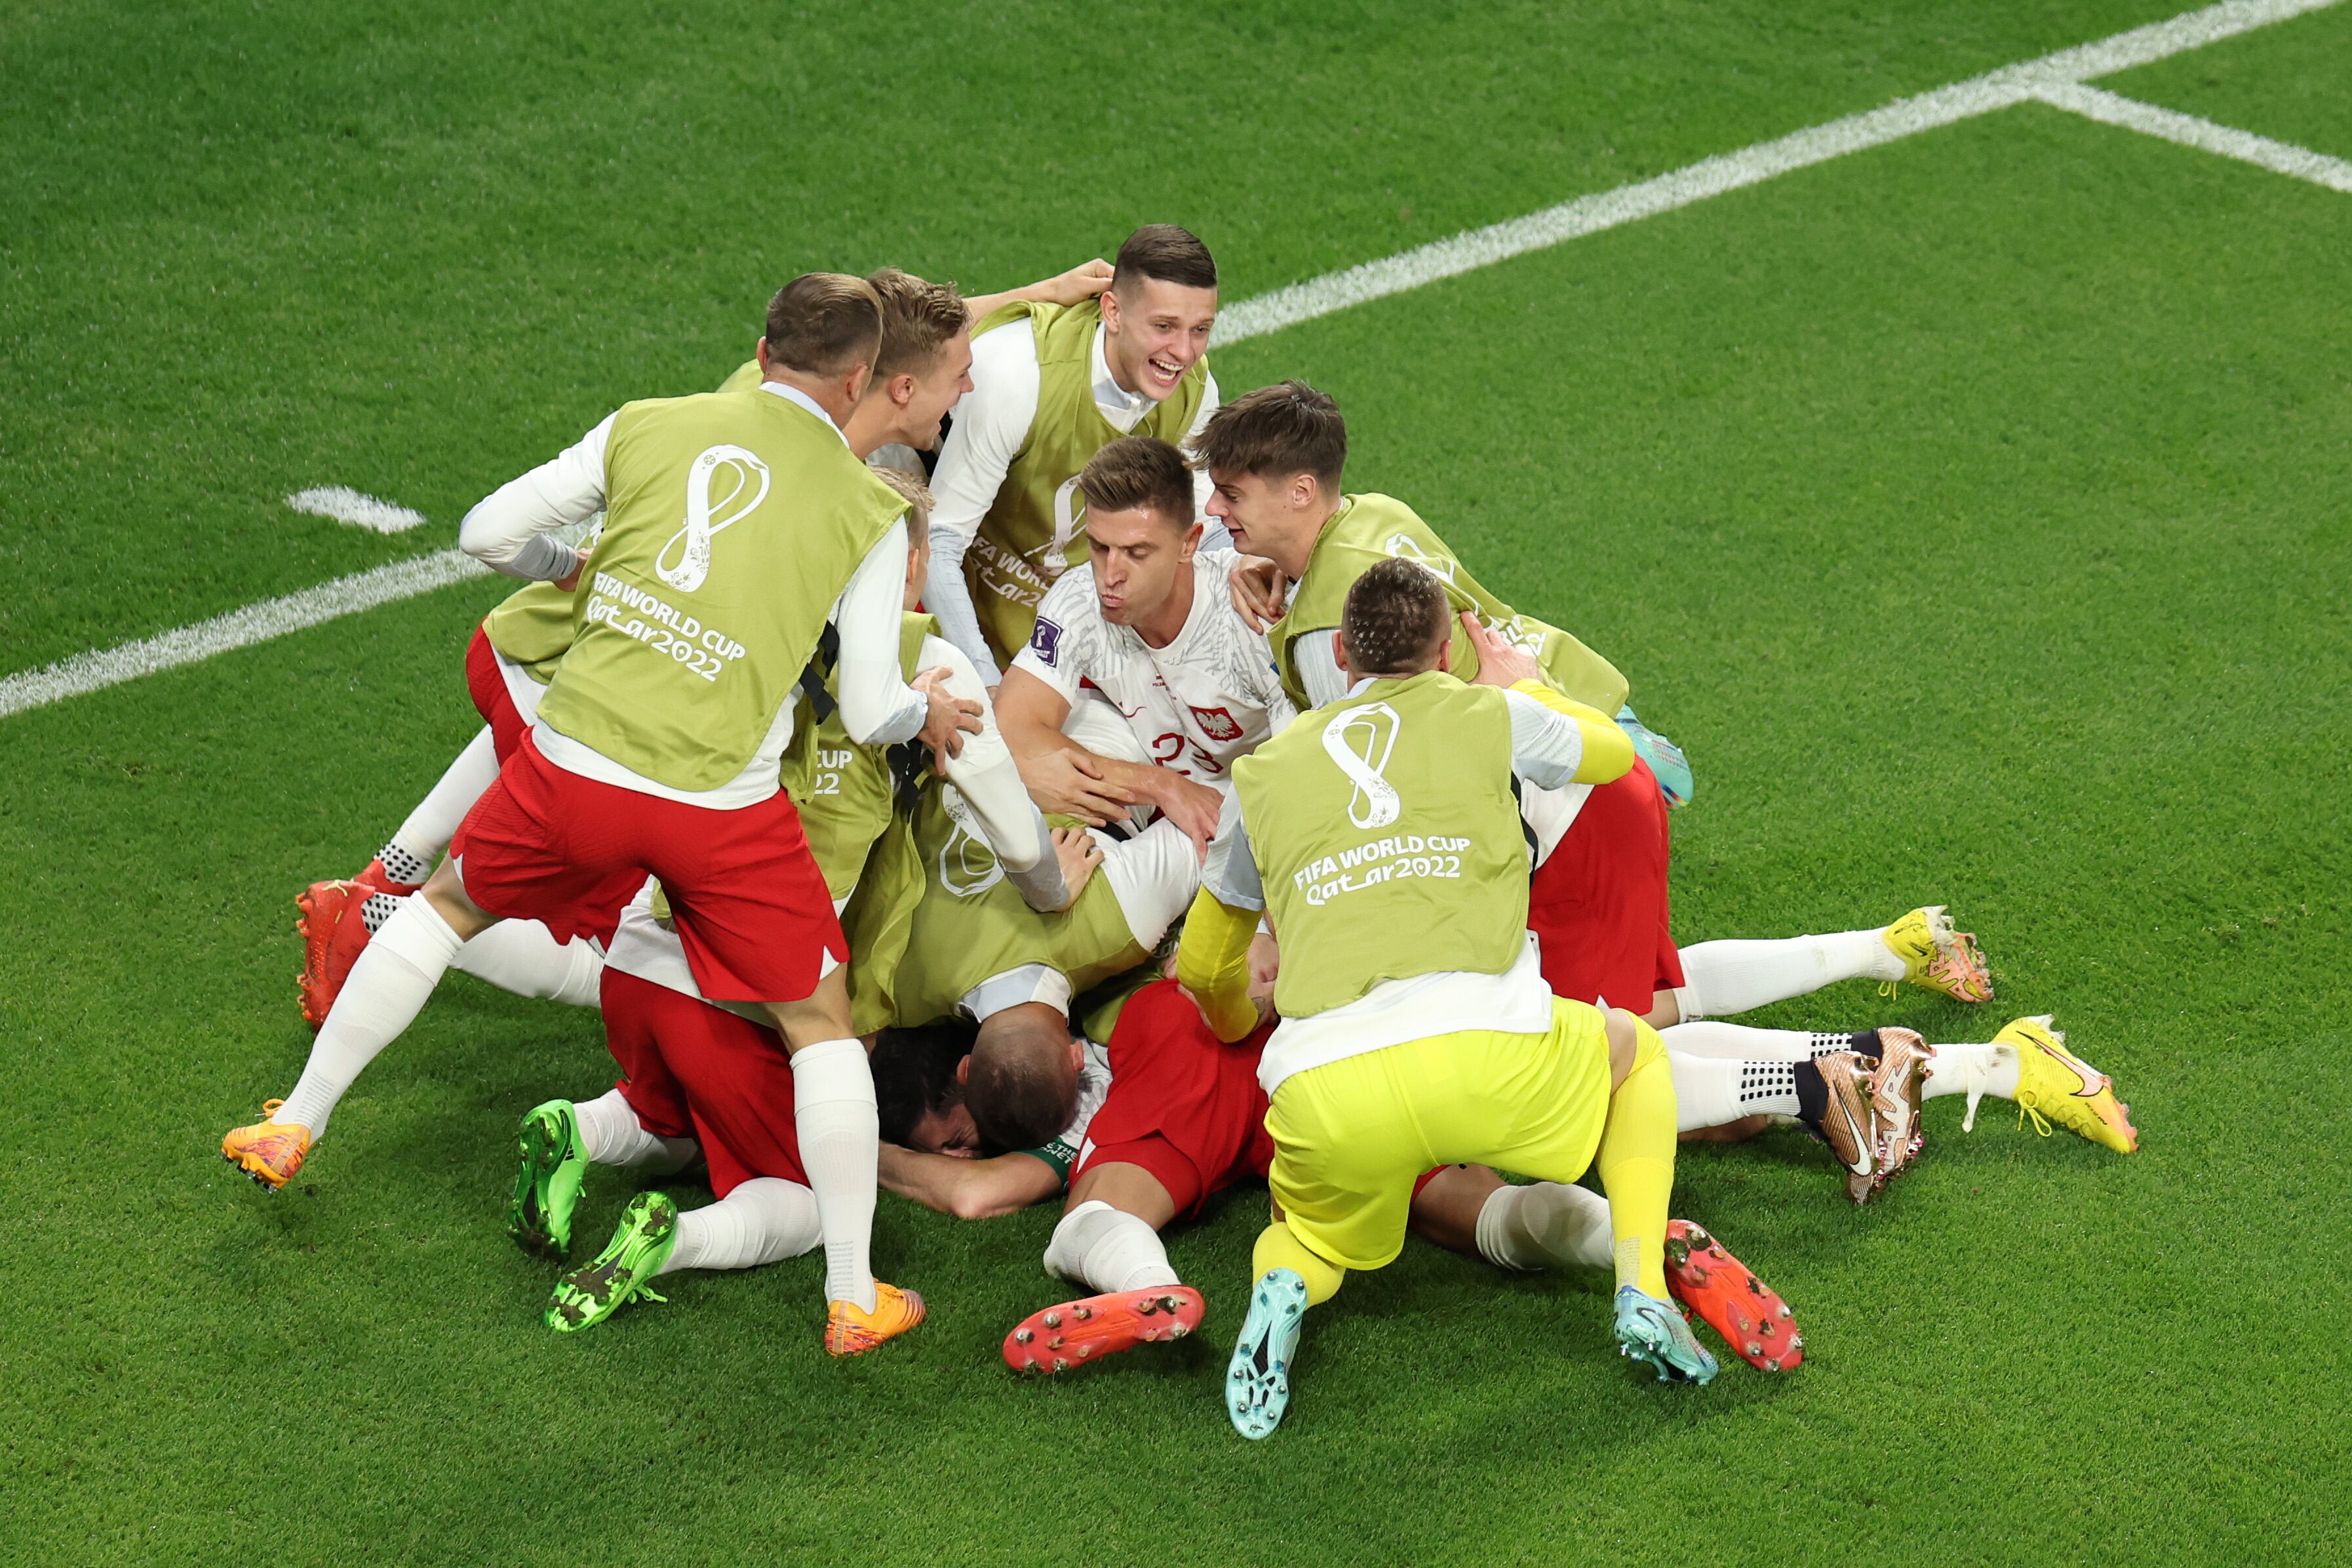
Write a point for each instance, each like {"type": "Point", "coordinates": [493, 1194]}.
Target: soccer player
{"type": "Point", "coordinates": [737, 524]}
{"type": "Point", "coordinates": [1380, 836]}
{"type": "Point", "coordinates": [516, 650]}
{"type": "Point", "coordinates": [973, 948]}
{"type": "Point", "coordinates": [1051, 388]}
{"type": "Point", "coordinates": [1275, 459]}
{"type": "Point", "coordinates": [1149, 633]}
{"type": "Point", "coordinates": [1180, 1117]}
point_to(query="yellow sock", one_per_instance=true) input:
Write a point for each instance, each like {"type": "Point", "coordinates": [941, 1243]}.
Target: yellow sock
{"type": "Point", "coordinates": [1637, 1165]}
{"type": "Point", "coordinates": [1280, 1247]}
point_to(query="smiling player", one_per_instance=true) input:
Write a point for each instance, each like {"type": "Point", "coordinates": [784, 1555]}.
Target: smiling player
{"type": "Point", "coordinates": [1051, 388]}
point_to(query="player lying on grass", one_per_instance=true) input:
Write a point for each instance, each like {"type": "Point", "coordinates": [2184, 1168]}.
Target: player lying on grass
{"type": "Point", "coordinates": [1380, 839]}
{"type": "Point", "coordinates": [515, 650]}
{"type": "Point", "coordinates": [1598, 900]}
{"type": "Point", "coordinates": [695, 1077]}
{"type": "Point", "coordinates": [1180, 1117]}
{"type": "Point", "coordinates": [1147, 634]}
{"type": "Point", "coordinates": [739, 525]}
{"type": "Point", "coordinates": [1051, 387]}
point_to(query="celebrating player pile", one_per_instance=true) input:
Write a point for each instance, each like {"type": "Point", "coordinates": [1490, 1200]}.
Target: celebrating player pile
{"type": "Point", "coordinates": [1270, 845]}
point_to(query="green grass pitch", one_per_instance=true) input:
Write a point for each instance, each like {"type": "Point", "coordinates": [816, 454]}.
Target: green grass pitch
{"type": "Point", "coordinates": [1976, 509]}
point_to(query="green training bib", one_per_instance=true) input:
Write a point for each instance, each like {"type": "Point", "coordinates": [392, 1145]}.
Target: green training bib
{"type": "Point", "coordinates": [1388, 838]}
{"type": "Point", "coordinates": [1034, 530]}
{"type": "Point", "coordinates": [1368, 527]}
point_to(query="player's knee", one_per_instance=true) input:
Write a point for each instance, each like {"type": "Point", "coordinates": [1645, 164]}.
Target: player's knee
{"type": "Point", "coordinates": [1624, 1040]}
{"type": "Point", "coordinates": [445, 891]}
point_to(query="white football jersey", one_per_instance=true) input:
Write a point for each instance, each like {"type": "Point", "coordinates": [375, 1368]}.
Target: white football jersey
{"type": "Point", "coordinates": [1206, 698]}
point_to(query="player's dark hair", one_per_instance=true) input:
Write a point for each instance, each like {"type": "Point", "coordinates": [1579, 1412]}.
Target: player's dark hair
{"type": "Point", "coordinates": [824, 323]}
{"type": "Point", "coordinates": [915, 1073]}
{"type": "Point", "coordinates": [1165, 253]}
{"type": "Point", "coordinates": [1279, 430]}
{"type": "Point", "coordinates": [919, 316]}
{"type": "Point", "coordinates": [1020, 1089]}
{"type": "Point", "coordinates": [1396, 619]}
{"type": "Point", "coordinates": [1140, 472]}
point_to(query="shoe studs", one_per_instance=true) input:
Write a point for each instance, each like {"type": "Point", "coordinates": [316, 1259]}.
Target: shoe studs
{"type": "Point", "coordinates": [1022, 1336]}
{"type": "Point", "coordinates": [1053, 1320]}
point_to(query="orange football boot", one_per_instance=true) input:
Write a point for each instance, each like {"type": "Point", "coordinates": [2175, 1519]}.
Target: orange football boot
{"type": "Point", "coordinates": [333, 937]}
{"type": "Point", "coordinates": [1749, 1314]}
{"type": "Point", "coordinates": [270, 1151]}
{"type": "Point", "coordinates": [850, 1330]}
{"type": "Point", "coordinates": [376, 880]}
{"type": "Point", "coordinates": [1062, 1337]}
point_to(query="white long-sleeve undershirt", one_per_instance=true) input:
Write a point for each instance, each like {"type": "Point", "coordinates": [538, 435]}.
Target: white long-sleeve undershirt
{"type": "Point", "coordinates": [992, 426]}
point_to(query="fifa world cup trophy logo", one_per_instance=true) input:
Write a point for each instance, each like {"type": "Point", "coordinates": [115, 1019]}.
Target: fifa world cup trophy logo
{"type": "Point", "coordinates": [718, 494]}
{"type": "Point", "coordinates": [1375, 803]}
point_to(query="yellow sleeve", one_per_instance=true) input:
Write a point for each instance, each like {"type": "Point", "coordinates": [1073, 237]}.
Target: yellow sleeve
{"type": "Point", "coordinates": [1608, 750]}
{"type": "Point", "coordinates": [1212, 964]}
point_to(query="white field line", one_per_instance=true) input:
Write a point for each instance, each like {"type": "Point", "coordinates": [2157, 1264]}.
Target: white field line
{"type": "Point", "coordinates": [2280, 157]}
{"type": "Point", "coordinates": [238, 628]}
{"type": "Point", "coordinates": [345, 504]}
{"type": "Point", "coordinates": [1995, 89]}
{"type": "Point", "coordinates": [1321, 296]}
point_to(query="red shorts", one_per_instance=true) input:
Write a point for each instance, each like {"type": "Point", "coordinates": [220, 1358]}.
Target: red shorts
{"type": "Point", "coordinates": [1183, 1105]}
{"type": "Point", "coordinates": [1598, 906]}
{"type": "Point", "coordinates": [693, 1070]}
{"type": "Point", "coordinates": [751, 908]}
{"type": "Point", "coordinates": [487, 685]}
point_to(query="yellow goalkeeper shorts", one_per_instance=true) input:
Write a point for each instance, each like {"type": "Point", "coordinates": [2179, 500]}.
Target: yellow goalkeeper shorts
{"type": "Point", "coordinates": [1350, 1136]}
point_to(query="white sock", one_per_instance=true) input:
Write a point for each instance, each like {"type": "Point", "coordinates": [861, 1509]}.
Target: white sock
{"type": "Point", "coordinates": [1722, 977]}
{"type": "Point", "coordinates": [841, 1145]}
{"type": "Point", "coordinates": [1544, 1225]}
{"type": "Point", "coordinates": [523, 957]}
{"type": "Point", "coordinates": [1746, 1043]}
{"type": "Point", "coordinates": [763, 1220]}
{"type": "Point", "coordinates": [1706, 1091]}
{"type": "Point", "coordinates": [1973, 1070]}
{"type": "Point", "coordinates": [1108, 1249]}
{"type": "Point", "coordinates": [424, 837]}
{"type": "Point", "coordinates": [611, 1134]}
{"type": "Point", "coordinates": [381, 996]}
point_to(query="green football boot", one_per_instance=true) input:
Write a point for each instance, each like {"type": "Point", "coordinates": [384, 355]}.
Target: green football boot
{"type": "Point", "coordinates": [622, 1271]}
{"type": "Point", "coordinates": [1655, 1333]}
{"type": "Point", "coordinates": [547, 1182]}
{"type": "Point", "coordinates": [1258, 1378]}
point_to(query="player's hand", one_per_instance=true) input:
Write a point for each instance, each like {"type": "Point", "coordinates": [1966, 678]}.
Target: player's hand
{"type": "Point", "coordinates": [1500, 663]}
{"type": "Point", "coordinates": [1078, 285]}
{"type": "Point", "coordinates": [1265, 965]}
{"type": "Point", "coordinates": [579, 563]}
{"type": "Point", "coordinates": [947, 718]}
{"type": "Point", "coordinates": [1078, 855]}
{"type": "Point", "coordinates": [1258, 589]}
{"type": "Point", "coordinates": [1191, 805]}
{"type": "Point", "coordinates": [1064, 782]}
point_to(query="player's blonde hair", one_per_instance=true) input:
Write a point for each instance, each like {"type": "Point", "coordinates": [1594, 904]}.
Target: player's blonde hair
{"type": "Point", "coordinates": [919, 316]}
{"type": "Point", "coordinates": [918, 502]}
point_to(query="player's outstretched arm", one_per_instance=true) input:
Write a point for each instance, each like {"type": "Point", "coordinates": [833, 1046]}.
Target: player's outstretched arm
{"type": "Point", "coordinates": [1076, 287]}
{"type": "Point", "coordinates": [968, 1189]}
{"type": "Point", "coordinates": [507, 530]}
{"type": "Point", "coordinates": [1555, 740]}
